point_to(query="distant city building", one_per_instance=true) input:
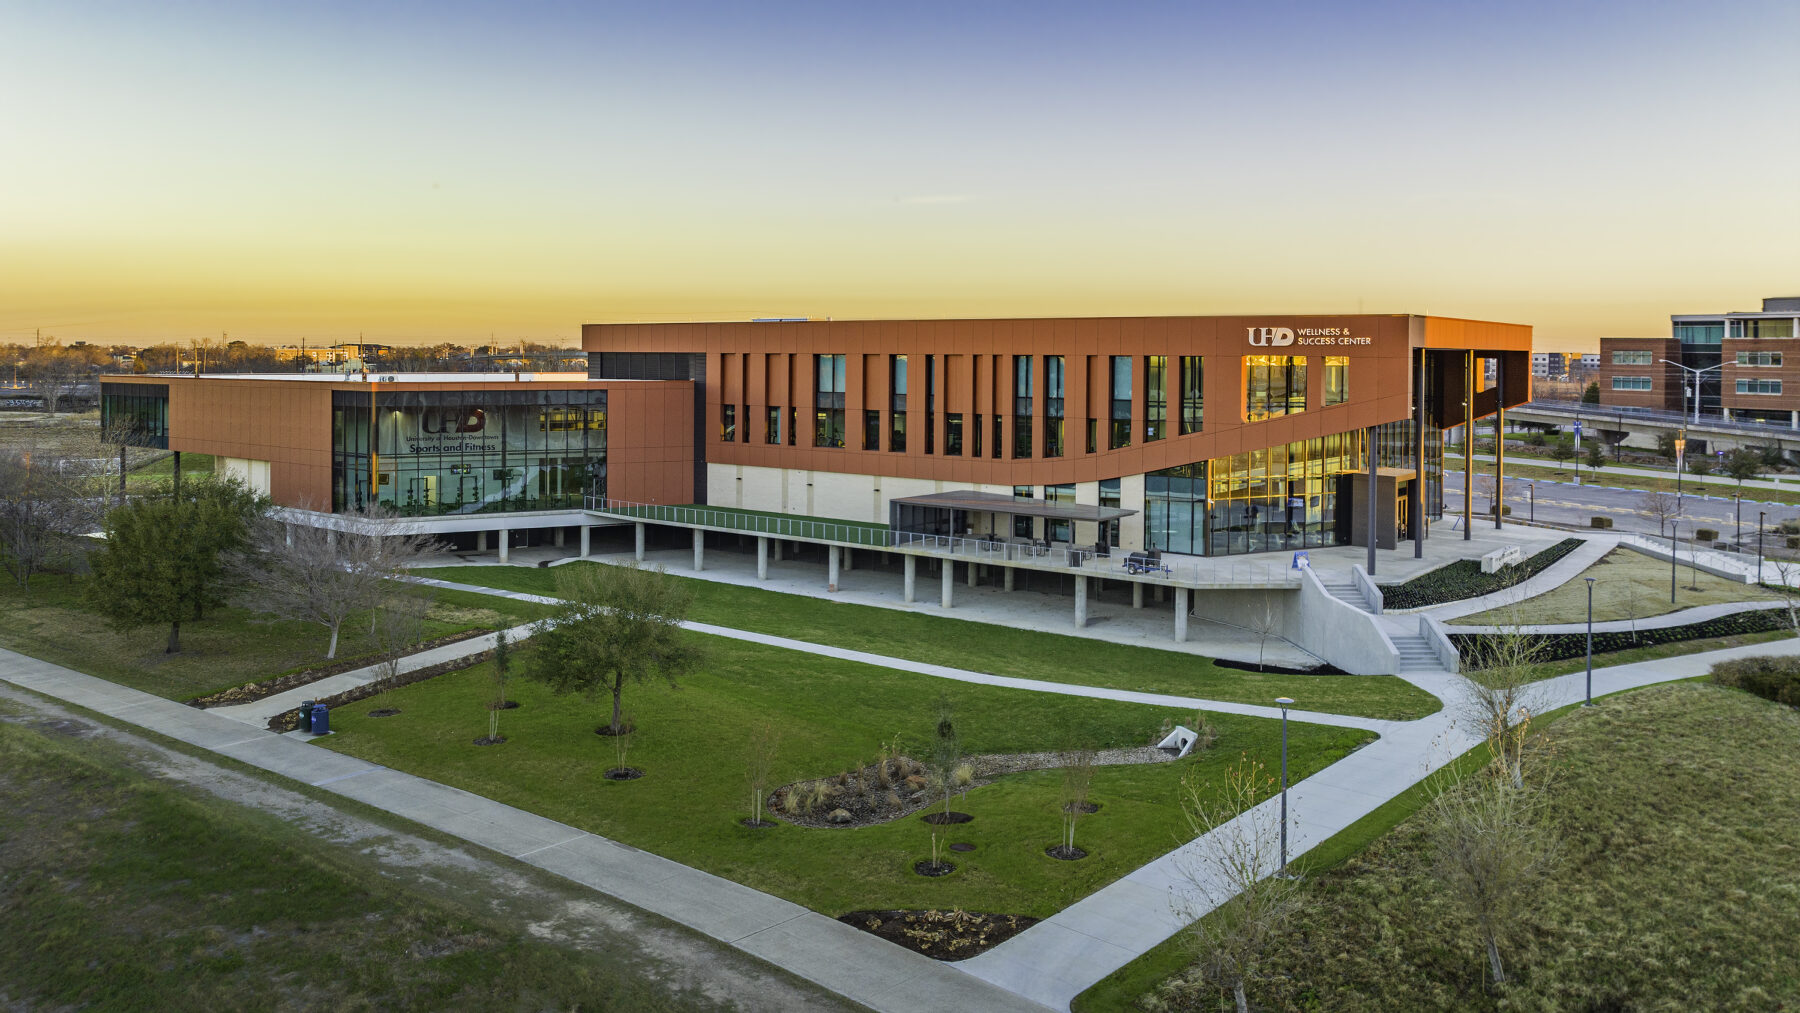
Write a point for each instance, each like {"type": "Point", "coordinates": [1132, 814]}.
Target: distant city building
{"type": "Point", "coordinates": [1737, 362]}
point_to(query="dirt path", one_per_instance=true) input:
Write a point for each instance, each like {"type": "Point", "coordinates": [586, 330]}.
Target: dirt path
{"type": "Point", "coordinates": [533, 902]}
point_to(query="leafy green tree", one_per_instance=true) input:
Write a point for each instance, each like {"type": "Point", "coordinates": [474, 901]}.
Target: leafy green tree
{"type": "Point", "coordinates": [1592, 394]}
{"type": "Point", "coordinates": [1596, 455]}
{"type": "Point", "coordinates": [1743, 463]}
{"type": "Point", "coordinates": [165, 560]}
{"type": "Point", "coordinates": [1562, 454]}
{"type": "Point", "coordinates": [1665, 444]}
{"type": "Point", "coordinates": [616, 624]}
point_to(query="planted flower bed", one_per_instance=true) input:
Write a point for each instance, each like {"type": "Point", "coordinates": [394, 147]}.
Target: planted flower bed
{"type": "Point", "coordinates": [1559, 646]}
{"type": "Point", "coordinates": [1463, 579]}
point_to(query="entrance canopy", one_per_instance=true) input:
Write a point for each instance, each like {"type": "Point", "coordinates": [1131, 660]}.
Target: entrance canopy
{"type": "Point", "coordinates": [971, 512]}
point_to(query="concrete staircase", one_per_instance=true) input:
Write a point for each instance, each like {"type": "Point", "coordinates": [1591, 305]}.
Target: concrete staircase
{"type": "Point", "coordinates": [1345, 590]}
{"type": "Point", "coordinates": [1415, 654]}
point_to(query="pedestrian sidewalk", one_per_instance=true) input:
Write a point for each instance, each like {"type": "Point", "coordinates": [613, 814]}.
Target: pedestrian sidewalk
{"type": "Point", "coordinates": [1687, 477]}
{"type": "Point", "coordinates": [846, 960]}
{"type": "Point", "coordinates": [1593, 547]}
{"type": "Point", "coordinates": [1060, 957]}
{"type": "Point", "coordinates": [1697, 614]}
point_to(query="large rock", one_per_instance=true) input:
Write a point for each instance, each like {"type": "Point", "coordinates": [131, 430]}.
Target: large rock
{"type": "Point", "coordinates": [838, 816]}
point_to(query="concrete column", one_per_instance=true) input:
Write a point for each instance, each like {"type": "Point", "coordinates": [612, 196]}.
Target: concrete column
{"type": "Point", "coordinates": [776, 547]}
{"type": "Point", "coordinates": [1162, 592]}
{"type": "Point", "coordinates": [1137, 594]}
{"type": "Point", "coordinates": [556, 538]}
{"type": "Point", "coordinates": [481, 541]}
{"type": "Point", "coordinates": [1009, 577]}
{"type": "Point", "coordinates": [699, 550]}
{"type": "Point", "coordinates": [587, 540]}
{"type": "Point", "coordinates": [640, 541]}
{"type": "Point", "coordinates": [972, 575]}
{"type": "Point", "coordinates": [912, 571]}
{"type": "Point", "coordinates": [1181, 611]}
{"type": "Point", "coordinates": [762, 559]}
{"type": "Point", "coordinates": [1080, 602]}
{"type": "Point", "coordinates": [505, 544]}
{"type": "Point", "coordinates": [849, 558]}
{"type": "Point", "coordinates": [831, 568]}
{"type": "Point", "coordinates": [949, 592]}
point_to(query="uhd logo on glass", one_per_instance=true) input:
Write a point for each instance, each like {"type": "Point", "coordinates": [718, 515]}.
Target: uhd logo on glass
{"type": "Point", "coordinates": [1270, 336]}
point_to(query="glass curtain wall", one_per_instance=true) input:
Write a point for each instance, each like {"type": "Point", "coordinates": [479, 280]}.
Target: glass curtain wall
{"type": "Point", "coordinates": [1284, 497]}
{"type": "Point", "coordinates": [1274, 385]}
{"type": "Point", "coordinates": [136, 414]}
{"type": "Point", "coordinates": [460, 452]}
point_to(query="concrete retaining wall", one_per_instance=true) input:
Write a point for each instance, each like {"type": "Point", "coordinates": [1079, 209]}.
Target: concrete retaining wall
{"type": "Point", "coordinates": [1340, 633]}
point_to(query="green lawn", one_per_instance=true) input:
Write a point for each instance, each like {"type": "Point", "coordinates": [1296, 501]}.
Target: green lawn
{"type": "Point", "coordinates": [1627, 585]}
{"type": "Point", "coordinates": [1677, 806]}
{"type": "Point", "coordinates": [1000, 650]}
{"type": "Point", "coordinates": [123, 892]}
{"type": "Point", "coordinates": [1528, 472]}
{"type": "Point", "coordinates": [229, 647]}
{"type": "Point", "coordinates": [158, 475]}
{"type": "Point", "coordinates": [833, 715]}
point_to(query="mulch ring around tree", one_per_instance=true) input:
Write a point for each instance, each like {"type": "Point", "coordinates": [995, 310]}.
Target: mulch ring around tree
{"type": "Point", "coordinates": [944, 935]}
{"type": "Point", "coordinates": [759, 824]}
{"type": "Point", "coordinates": [494, 740]}
{"type": "Point", "coordinates": [507, 706]}
{"type": "Point", "coordinates": [1087, 808]}
{"type": "Point", "coordinates": [607, 730]}
{"type": "Point", "coordinates": [895, 787]}
{"type": "Point", "coordinates": [941, 818]}
{"type": "Point", "coordinates": [1064, 853]}
{"type": "Point", "coordinates": [384, 712]}
{"type": "Point", "coordinates": [623, 774]}
{"type": "Point", "coordinates": [962, 846]}
{"type": "Point", "coordinates": [927, 867]}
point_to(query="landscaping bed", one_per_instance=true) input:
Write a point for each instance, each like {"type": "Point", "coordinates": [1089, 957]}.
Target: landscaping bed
{"type": "Point", "coordinates": [1463, 579]}
{"type": "Point", "coordinates": [941, 935]}
{"type": "Point", "coordinates": [289, 720]}
{"type": "Point", "coordinates": [1561, 646]}
{"type": "Point", "coordinates": [251, 692]}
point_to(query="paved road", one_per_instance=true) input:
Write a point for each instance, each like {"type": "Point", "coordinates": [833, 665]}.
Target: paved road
{"type": "Point", "coordinates": [1568, 503]}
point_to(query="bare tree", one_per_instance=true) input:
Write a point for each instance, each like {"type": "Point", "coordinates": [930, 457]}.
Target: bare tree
{"type": "Point", "coordinates": [1492, 843]}
{"type": "Point", "coordinates": [1500, 693]}
{"type": "Point", "coordinates": [1787, 572]}
{"type": "Point", "coordinates": [46, 504]}
{"type": "Point", "coordinates": [400, 628]}
{"type": "Point", "coordinates": [1241, 905]}
{"type": "Point", "coordinates": [1661, 505]}
{"type": "Point", "coordinates": [1265, 622]}
{"type": "Point", "coordinates": [1072, 801]}
{"type": "Point", "coordinates": [325, 576]}
{"type": "Point", "coordinates": [946, 750]}
{"type": "Point", "coordinates": [759, 764]}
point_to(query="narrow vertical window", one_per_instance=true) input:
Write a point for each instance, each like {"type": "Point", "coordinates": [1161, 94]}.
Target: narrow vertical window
{"type": "Point", "coordinates": [1193, 397]}
{"type": "Point", "coordinates": [871, 429]}
{"type": "Point", "coordinates": [1022, 394]}
{"type": "Point", "coordinates": [1156, 397]}
{"type": "Point", "coordinates": [772, 429]}
{"type": "Point", "coordinates": [897, 416]}
{"type": "Point", "coordinates": [1053, 406]}
{"type": "Point", "coordinates": [828, 428]}
{"type": "Point", "coordinates": [953, 434]}
{"type": "Point", "coordinates": [728, 423]}
{"type": "Point", "coordinates": [931, 362]}
{"type": "Point", "coordinates": [1121, 403]}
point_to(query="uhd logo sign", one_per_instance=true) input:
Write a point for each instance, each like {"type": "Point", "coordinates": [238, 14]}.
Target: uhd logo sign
{"type": "Point", "coordinates": [1270, 336]}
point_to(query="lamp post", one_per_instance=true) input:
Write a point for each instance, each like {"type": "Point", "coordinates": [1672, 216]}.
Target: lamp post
{"type": "Point", "coordinates": [1285, 703]}
{"type": "Point", "coordinates": [1590, 645]}
{"type": "Point", "coordinates": [1759, 533]}
{"type": "Point", "coordinates": [1674, 554]}
{"type": "Point", "coordinates": [1533, 488]}
{"type": "Point", "coordinates": [1695, 374]}
{"type": "Point", "coordinates": [1680, 449]}
{"type": "Point", "coordinates": [1739, 541]}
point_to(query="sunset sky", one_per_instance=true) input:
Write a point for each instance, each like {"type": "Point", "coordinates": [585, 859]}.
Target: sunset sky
{"type": "Point", "coordinates": [442, 171]}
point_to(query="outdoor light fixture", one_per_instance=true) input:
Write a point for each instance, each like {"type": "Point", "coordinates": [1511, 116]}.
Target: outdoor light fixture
{"type": "Point", "coordinates": [1284, 703]}
{"type": "Point", "coordinates": [1590, 645]}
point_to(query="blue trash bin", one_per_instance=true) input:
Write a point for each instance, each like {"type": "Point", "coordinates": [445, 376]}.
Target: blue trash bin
{"type": "Point", "coordinates": [321, 720]}
{"type": "Point", "coordinates": [305, 724]}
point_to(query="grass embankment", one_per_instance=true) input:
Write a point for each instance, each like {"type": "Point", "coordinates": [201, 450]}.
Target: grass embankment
{"type": "Point", "coordinates": [1000, 650]}
{"type": "Point", "coordinates": [1638, 483]}
{"type": "Point", "coordinates": [1677, 808]}
{"type": "Point", "coordinates": [159, 475]}
{"type": "Point", "coordinates": [833, 716]}
{"type": "Point", "coordinates": [1627, 585]}
{"type": "Point", "coordinates": [229, 647]}
{"type": "Point", "coordinates": [122, 892]}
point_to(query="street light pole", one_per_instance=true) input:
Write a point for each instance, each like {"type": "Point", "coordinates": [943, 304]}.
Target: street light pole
{"type": "Point", "coordinates": [1695, 374]}
{"type": "Point", "coordinates": [1680, 451]}
{"type": "Point", "coordinates": [1533, 488]}
{"type": "Point", "coordinates": [1590, 645]}
{"type": "Point", "coordinates": [1285, 703]}
{"type": "Point", "coordinates": [1759, 533]}
{"type": "Point", "coordinates": [1674, 554]}
{"type": "Point", "coordinates": [1739, 547]}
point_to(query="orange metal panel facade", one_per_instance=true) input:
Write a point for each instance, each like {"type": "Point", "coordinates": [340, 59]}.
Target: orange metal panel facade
{"type": "Point", "coordinates": [650, 438]}
{"type": "Point", "coordinates": [975, 369]}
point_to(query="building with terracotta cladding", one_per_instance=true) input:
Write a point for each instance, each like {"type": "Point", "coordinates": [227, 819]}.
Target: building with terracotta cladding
{"type": "Point", "coordinates": [1209, 435]}
{"type": "Point", "coordinates": [452, 451]}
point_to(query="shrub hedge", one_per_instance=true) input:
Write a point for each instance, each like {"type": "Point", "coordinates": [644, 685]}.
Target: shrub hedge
{"type": "Point", "coordinates": [1560, 646]}
{"type": "Point", "coordinates": [1706, 535]}
{"type": "Point", "coordinates": [1600, 522]}
{"type": "Point", "coordinates": [1464, 579]}
{"type": "Point", "coordinates": [1772, 678]}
